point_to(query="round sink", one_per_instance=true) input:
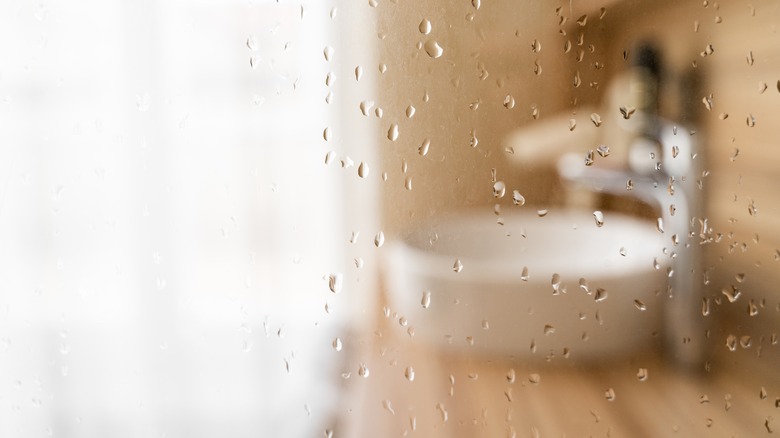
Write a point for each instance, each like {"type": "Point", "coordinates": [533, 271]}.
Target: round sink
{"type": "Point", "coordinates": [524, 285]}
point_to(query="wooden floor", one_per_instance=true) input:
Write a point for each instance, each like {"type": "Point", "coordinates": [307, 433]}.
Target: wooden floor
{"type": "Point", "coordinates": [461, 396]}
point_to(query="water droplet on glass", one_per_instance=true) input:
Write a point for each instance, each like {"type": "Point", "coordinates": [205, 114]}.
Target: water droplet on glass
{"type": "Point", "coordinates": [601, 295]}
{"type": "Point", "coordinates": [365, 106]}
{"type": "Point", "coordinates": [363, 371]}
{"type": "Point", "coordinates": [642, 374]}
{"type": "Point", "coordinates": [731, 342]}
{"type": "Point", "coordinates": [337, 344]}
{"type": "Point", "coordinates": [379, 240]}
{"type": "Point", "coordinates": [534, 378]}
{"type": "Point", "coordinates": [409, 373]}
{"type": "Point", "coordinates": [599, 217]}
{"type": "Point", "coordinates": [408, 183]}
{"type": "Point", "coordinates": [549, 329]}
{"type": "Point", "coordinates": [517, 198]}
{"type": "Point", "coordinates": [542, 212]}
{"type": "Point", "coordinates": [251, 43]}
{"type": "Point", "coordinates": [584, 285]}
{"type": "Point", "coordinates": [433, 49]}
{"type": "Point", "coordinates": [589, 158]}
{"type": "Point", "coordinates": [499, 189]}
{"type": "Point", "coordinates": [510, 375]}
{"type": "Point", "coordinates": [536, 46]}
{"type": "Point", "coordinates": [327, 52]}
{"type": "Point", "coordinates": [603, 150]}
{"type": "Point", "coordinates": [509, 101]}
{"type": "Point", "coordinates": [707, 101]}
{"type": "Point", "coordinates": [659, 223]}
{"type": "Point", "coordinates": [627, 111]}
{"type": "Point", "coordinates": [392, 133]}
{"type": "Point", "coordinates": [731, 293]}
{"type": "Point", "coordinates": [424, 147]}
{"type": "Point", "coordinates": [640, 305]}
{"type": "Point", "coordinates": [610, 394]}
{"type": "Point", "coordinates": [524, 274]}
{"type": "Point", "coordinates": [426, 299]}
{"type": "Point", "coordinates": [425, 27]}
{"type": "Point", "coordinates": [572, 124]}
{"type": "Point", "coordinates": [457, 266]}
{"type": "Point", "coordinates": [363, 170]}
{"type": "Point", "coordinates": [556, 282]}
{"type": "Point", "coordinates": [326, 134]}
{"type": "Point", "coordinates": [596, 119]}
{"type": "Point", "coordinates": [335, 281]}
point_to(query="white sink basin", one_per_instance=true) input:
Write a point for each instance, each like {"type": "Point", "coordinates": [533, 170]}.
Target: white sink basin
{"type": "Point", "coordinates": [488, 307]}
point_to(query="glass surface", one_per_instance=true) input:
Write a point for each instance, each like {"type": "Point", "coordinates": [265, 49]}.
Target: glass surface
{"type": "Point", "coordinates": [389, 218]}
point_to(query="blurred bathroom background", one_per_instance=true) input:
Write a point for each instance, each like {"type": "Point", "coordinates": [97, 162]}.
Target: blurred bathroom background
{"type": "Point", "coordinates": [199, 199]}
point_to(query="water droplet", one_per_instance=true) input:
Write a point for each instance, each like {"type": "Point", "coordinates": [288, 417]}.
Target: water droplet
{"type": "Point", "coordinates": [599, 217]}
{"type": "Point", "coordinates": [589, 158]}
{"type": "Point", "coordinates": [425, 302]}
{"type": "Point", "coordinates": [392, 133]}
{"type": "Point", "coordinates": [509, 101]}
{"type": "Point", "coordinates": [659, 223]}
{"type": "Point", "coordinates": [731, 342]}
{"type": "Point", "coordinates": [424, 147]}
{"type": "Point", "coordinates": [584, 285]}
{"type": "Point", "coordinates": [408, 183]}
{"type": "Point", "coordinates": [433, 49]}
{"type": "Point", "coordinates": [335, 281]}
{"type": "Point", "coordinates": [556, 282]}
{"type": "Point", "coordinates": [485, 324]}
{"type": "Point", "coordinates": [752, 210]}
{"type": "Point", "coordinates": [358, 73]}
{"type": "Point", "coordinates": [629, 184]}
{"type": "Point", "coordinates": [549, 329]}
{"type": "Point", "coordinates": [510, 375]}
{"type": "Point", "coordinates": [363, 170]}
{"type": "Point", "coordinates": [707, 101]}
{"type": "Point", "coordinates": [444, 414]}
{"type": "Point", "coordinates": [601, 295]}
{"type": "Point", "coordinates": [517, 198]}
{"type": "Point", "coordinates": [474, 141]}
{"type": "Point", "coordinates": [534, 378]}
{"type": "Point", "coordinates": [762, 87]}
{"type": "Point", "coordinates": [327, 52]}
{"type": "Point", "coordinates": [572, 124]}
{"type": "Point", "coordinates": [365, 106]}
{"type": "Point", "coordinates": [379, 240]}
{"type": "Point", "coordinates": [326, 134]}
{"type": "Point", "coordinates": [251, 43]}
{"type": "Point", "coordinates": [640, 305]}
{"type": "Point", "coordinates": [705, 306]}
{"type": "Point", "coordinates": [363, 371]}
{"type": "Point", "coordinates": [583, 20]}
{"type": "Point", "coordinates": [603, 150]}
{"type": "Point", "coordinates": [642, 374]}
{"type": "Point", "coordinates": [542, 212]}
{"type": "Point", "coordinates": [731, 293]}
{"type": "Point", "coordinates": [610, 394]}
{"type": "Point", "coordinates": [524, 274]}
{"type": "Point", "coordinates": [330, 78]}
{"type": "Point", "coordinates": [623, 251]}
{"type": "Point", "coordinates": [752, 308]}
{"type": "Point", "coordinates": [499, 189]}
{"type": "Point", "coordinates": [425, 27]}
{"type": "Point", "coordinates": [457, 266]}
{"type": "Point", "coordinates": [596, 119]}
{"type": "Point", "coordinates": [536, 46]}
{"type": "Point", "coordinates": [627, 111]}
{"type": "Point", "coordinates": [476, 3]}
{"type": "Point", "coordinates": [409, 373]}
